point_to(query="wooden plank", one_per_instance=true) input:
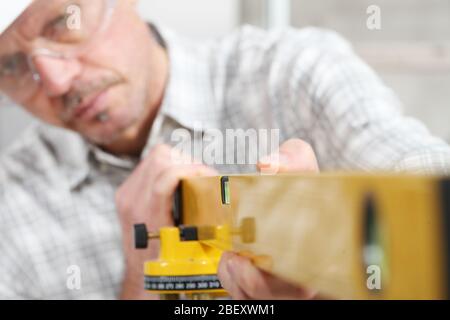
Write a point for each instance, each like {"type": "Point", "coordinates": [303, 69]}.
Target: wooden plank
{"type": "Point", "coordinates": [311, 230]}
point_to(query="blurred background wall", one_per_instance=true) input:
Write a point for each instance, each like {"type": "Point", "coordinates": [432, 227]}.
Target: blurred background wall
{"type": "Point", "coordinates": [411, 51]}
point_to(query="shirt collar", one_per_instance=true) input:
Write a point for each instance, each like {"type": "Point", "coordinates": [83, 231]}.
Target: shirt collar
{"type": "Point", "coordinates": [76, 157]}
{"type": "Point", "coordinates": [70, 151]}
{"type": "Point", "coordinates": [189, 95]}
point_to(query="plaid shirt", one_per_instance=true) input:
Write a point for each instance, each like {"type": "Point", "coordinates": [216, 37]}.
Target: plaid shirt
{"type": "Point", "coordinates": [57, 191]}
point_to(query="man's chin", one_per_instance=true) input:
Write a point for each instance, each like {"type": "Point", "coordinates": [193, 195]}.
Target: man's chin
{"type": "Point", "coordinates": [102, 134]}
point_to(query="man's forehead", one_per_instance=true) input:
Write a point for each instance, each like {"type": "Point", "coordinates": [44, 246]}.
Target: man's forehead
{"type": "Point", "coordinates": [27, 12]}
{"type": "Point", "coordinates": [40, 12]}
{"type": "Point", "coordinates": [43, 6]}
{"type": "Point", "coordinates": [30, 21]}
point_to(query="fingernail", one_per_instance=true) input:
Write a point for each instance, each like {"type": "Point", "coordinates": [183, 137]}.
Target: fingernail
{"type": "Point", "coordinates": [273, 164]}
{"type": "Point", "coordinates": [265, 161]}
{"type": "Point", "coordinates": [274, 160]}
{"type": "Point", "coordinates": [231, 267]}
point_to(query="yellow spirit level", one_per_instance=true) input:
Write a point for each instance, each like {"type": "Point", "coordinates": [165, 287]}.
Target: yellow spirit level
{"type": "Point", "coordinates": [348, 236]}
{"type": "Point", "coordinates": [185, 265]}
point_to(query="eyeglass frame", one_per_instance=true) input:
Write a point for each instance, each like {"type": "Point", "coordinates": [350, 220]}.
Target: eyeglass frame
{"type": "Point", "coordinates": [54, 54]}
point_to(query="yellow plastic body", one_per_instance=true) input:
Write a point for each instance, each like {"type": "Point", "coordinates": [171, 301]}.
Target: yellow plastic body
{"type": "Point", "coordinates": [188, 258]}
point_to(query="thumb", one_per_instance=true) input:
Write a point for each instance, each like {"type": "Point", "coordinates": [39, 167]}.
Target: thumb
{"type": "Point", "coordinates": [293, 156]}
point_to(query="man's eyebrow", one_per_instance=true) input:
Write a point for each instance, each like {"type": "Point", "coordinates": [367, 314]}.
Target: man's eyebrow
{"type": "Point", "coordinates": [38, 21]}
{"type": "Point", "coordinates": [9, 58]}
{"type": "Point", "coordinates": [59, 17]}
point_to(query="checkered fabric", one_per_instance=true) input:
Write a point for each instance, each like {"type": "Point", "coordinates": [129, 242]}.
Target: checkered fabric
{"type": "Point", "coordinates": [57, 211]}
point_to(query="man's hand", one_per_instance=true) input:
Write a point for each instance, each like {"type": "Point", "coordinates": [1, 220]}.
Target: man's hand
{"type": "Point", "coordinates": [237, 274]}
{"type": "Point", "coordinates": [244, 281]}
{"type": "Point", "coordinates": [146, 197]}
{"type": "Point", "coordinates": [293, 156]}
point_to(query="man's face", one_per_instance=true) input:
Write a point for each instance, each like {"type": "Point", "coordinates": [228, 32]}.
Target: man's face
{"type": "Point", "coordinates": [100, 88]}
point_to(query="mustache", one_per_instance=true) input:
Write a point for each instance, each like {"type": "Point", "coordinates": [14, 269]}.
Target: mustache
{"type": "Point", "coordinates": [79, 93]}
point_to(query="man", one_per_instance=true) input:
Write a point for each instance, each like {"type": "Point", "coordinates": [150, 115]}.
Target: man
{"type": "Point", "coordinates": [109, 91]}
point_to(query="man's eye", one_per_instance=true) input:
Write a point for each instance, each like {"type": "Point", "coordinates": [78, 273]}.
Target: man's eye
{"type": "Point", "coordinates": [14, 65]}
{"type": "Point", "coordinates": [57, 30]}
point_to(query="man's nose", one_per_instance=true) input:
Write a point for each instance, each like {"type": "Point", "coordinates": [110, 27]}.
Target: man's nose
{"type": "Point", "coordinates": [56, 75]}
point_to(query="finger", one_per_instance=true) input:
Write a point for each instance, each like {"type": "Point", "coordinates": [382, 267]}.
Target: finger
{"type": "Point", "coordinates": [293, 156]}
{"type": "Point", "coordinates": [225, 278]}
{"type": "Point", "coordinates": [257, 284]}
{"type": "Point", "coordinates": [135, 195]}
{"type": "Point", "coordinates": [156, 161]}
{"type": "Point", "coordinates": [168, 180]}
{"type": "Point", "coordinates": [165, 185]}
{"type": "Point", "coordinates": [159, 159]}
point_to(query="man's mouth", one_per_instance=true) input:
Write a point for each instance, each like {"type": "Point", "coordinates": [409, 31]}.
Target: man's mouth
{"type": "Point", "coordinates": [86, 106]}
{"type": "Point", "coordinates": [91, 106]}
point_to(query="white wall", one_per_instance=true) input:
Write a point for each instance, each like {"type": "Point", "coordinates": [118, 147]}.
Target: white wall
{"type": "Point", "coordinates": [411, 52]}
{"type": "Point", "coordinates": [195, 18]}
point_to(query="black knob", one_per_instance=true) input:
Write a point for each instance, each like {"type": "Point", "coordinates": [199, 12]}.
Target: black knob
{"type": "Point", "coordinates": [188, 233]}
{"type": "Point", "coordinates": [140, 236]}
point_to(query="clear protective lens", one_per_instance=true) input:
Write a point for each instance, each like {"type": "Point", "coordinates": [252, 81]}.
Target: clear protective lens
{"type": "Point", "coordinates": [58, 29]}
{"type": "Point", "coordinates": [71, 23]}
